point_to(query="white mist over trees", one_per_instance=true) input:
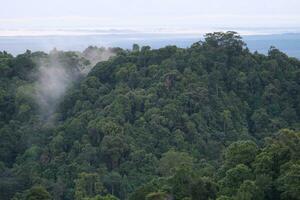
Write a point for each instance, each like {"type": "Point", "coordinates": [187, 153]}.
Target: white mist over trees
{"type": "Point", "coordinates": [52, 83]}
{"type": "Point", "coordinates": [56, 73]}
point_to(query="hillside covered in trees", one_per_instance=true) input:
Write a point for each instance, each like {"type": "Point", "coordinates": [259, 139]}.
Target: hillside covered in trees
{"type": "Point", "coordinates": [212, 121]}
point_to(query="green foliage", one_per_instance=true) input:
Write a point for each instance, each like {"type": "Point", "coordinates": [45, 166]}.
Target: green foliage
{"type": "Point", "coordinates": [88, 185]}
{"type": "Point", "coordinates": [248, 191]}
{"type": "Point", "coordinates": [157, 196]}
{"type": "Point", "coordinates": [106, 197]}
{"type": "Point", "coordinates": [203, 189]}
{"type": "Point", "coordinates": [212, 121]}
{"type": "Point", "coordinates": [172, 160]}
{"type": "Point", "coordinates": [241, 152]}
{"type": "Point", "coordinates": [181, 183]}
{"type": "Point", "coordinates": [114, 148]}
{"type": "Point", "coordinates": [37, 193]}
{"type": "Point", "coordinates": [288, 181]}
{"type": "Point", "coordinates": [234, 178]}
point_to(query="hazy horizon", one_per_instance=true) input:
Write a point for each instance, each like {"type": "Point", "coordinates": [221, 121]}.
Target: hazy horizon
{"type": "Point", "coordinates": [75, 25]}
{"type": "Point", "coordinates": [288, 43]}
{"type": "Point", "coordinates": [56, 17]}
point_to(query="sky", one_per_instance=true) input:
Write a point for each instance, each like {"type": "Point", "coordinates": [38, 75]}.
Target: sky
{"type": "Point", "coordinates": [148, 14]}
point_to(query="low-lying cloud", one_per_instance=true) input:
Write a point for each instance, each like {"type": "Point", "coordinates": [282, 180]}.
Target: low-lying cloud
{"type": "Point", "coordinates": [51, 85]}
{"type": "Point", "coordinates": [55, 76]}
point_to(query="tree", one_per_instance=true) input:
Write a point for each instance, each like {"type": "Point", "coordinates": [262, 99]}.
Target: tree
{"type": "Point", "coordinates": [157, 196]}
{"type": "Point", "coordinates": [173, 160]}
{"type": "Point", "coordinates": [289, 181]}
{"type": "Point", "coordinates": [241, 152]}
{"type": "Point", "coordinates": [106, 197]}
{"type": "Point", "coordinates": [114, 148]}
{"type": "Point", "coordinates": [88, 185]}
{"type": "Point", "coordinates": [248, 191]}
{"type": "Point", "coordinates": [113, 180]}
{"type": "Point", "coordinates": [203, 189]}
{"type": "Point", "coordinates": [226, 115]}
{"type": "Point", "coordinates": [259, 119]}
{"type": "Point", "coordinates": [230, 41]}
{"type": "Point", "coordinates": [135, 48]}
{"type": "Point", "coordinates": [234, 178]}
{"type": "Point", "coordinates": [38, 193]}
{"type": "Point", "coordinates": [181, 183]}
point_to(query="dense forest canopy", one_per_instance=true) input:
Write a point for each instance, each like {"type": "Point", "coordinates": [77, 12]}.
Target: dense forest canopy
{"type": "Point", "coordinates": [212, 121]}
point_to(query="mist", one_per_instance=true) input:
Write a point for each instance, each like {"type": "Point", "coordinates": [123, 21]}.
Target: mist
{"type": "Point", "coordinates": [56, 75]}
{"type": "Point", "coordinates": [95, 55]}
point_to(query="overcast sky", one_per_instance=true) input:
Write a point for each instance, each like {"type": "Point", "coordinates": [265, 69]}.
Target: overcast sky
{"type": "Point", "coordinates": [34, 14]}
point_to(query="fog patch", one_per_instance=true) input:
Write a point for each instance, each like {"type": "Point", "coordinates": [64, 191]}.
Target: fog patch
{"type": "Point", "coordinates": [59, 71]}
{"type": "Point", "coordinates": [94, 55]}
{"type": "Point", "coordinates": [53, 81]}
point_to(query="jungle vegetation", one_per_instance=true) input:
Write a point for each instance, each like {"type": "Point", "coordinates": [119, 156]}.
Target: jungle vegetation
{"type": "Point", "coordinates": [211, 121]}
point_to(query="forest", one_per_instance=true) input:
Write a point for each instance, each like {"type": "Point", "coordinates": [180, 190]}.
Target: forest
{"type": "Point", "coordinates": [210, 121]}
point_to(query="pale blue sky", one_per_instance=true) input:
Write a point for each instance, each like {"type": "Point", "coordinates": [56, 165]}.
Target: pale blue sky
{"type": "Point", "coordinates": [35, 14]}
